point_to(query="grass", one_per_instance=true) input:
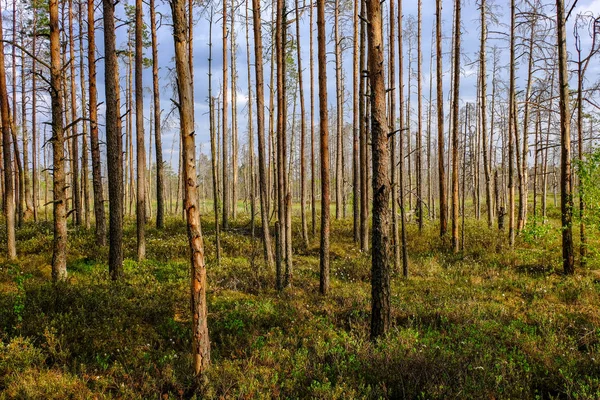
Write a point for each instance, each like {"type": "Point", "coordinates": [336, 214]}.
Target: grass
{"type": "Point", "coordinates": [487, 323]}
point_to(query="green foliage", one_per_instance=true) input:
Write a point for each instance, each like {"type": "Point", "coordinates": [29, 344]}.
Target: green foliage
{"type": "Point", "coordinates": [589, 173]}
{"type": "Point", "coordinates": [486, 323]}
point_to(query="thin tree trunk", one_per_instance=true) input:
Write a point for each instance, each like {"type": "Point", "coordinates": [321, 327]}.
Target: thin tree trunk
{"type": "Point", "coordinates": [401, 145]}
{"type": "Point", "coordinates": [566, 195]}
{"type": "Point", "coordinates": [440, 121]}
{"type": "Point", "coordinates": [59, 249]}
{"type": "Point", "coordinates": [356, 93]}
{"type": "Point", "coordinates": [99, 212]}
{"type": "Point", "coordinates": [34, 146]}
{"type": "Point", "coordinates": [8, 200]}
{"type": "Point", "coordinates": [84, 137]}
{"type": "Point", "coordinates": [200, 339]}
{"type": "Point", "coordinates": [419, 155]}
{"type": "Point", "coordinates": [380, 270]}
{"type": "Point", "coordinates": [114, 145]}
{"type": "Point", "coordinates": [483, 73]}
{"type": "Point", "coordinates": [324, 145]}
{"type": "Point", "coordinates": [260, 109]}
{"type": "Point", "coordinates": [75, 189]}
{"type": "Point", "coordinates": [363, 138]}
{"type": "Point", "coordinates": [392, 129]}
{"type": "Point", "coordinates": [313, 200]}
{"type": "Point", "coordinates": [139, 135]}
{"type": "Point", "coordinates": [234, 124]}
{"type": "Point", "coordinates": [455, 122]}
{"type": "Point", "coordinates": [302, 133]}
{"type": "Point", "coordinates": [251, 182]}
{"type": "Point", "coordinates": [28, 199]}
{"type": "Point", "coordinates": [511, 132]}
{"type": "Point", "coordinates": [225, 146]}
{"type": "Point", "coordinates": [339, 117]}
{"type": "Point", "coordinates": [523, 197]}
{"type": "Point", "coordinates": [160, 165]}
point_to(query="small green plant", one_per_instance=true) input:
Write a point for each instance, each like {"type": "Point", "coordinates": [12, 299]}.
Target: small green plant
{"type": "Point", "coordinates": [535, 230]}
{"type": "Point", "coordinates": [19, 279]}
{"type": "Point", "coordinates": [589, 173]}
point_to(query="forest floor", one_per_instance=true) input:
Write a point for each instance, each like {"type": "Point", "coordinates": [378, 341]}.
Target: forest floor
{"type": "Point", "coordinates": [487, 323]}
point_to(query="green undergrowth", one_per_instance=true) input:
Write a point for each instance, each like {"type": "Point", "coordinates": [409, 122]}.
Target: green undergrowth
{"type": "Point", "coordinates": [488, 322]}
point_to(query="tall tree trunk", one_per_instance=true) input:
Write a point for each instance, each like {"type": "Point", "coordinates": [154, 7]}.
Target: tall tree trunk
{"type": "Point", "coordinates": [19, 178]}
{"type": "Point", "coordinates": [99, 213]}
{"type": "Point", "coordinates": [75, 188]}
{"type": "Point", "coordinates": [302, 132]}
{"type": "Point", "coordinates": [225, 146]}
{"type": "Point", "coordinates": [160, 165]}
{"type": "Point", "coordinates": [566, 195]}
{"type": "Point", "coordinates": [234, 124]}
{"type": "Point", "coordinates": [8, 200]}
{"type": "Point", "coordinates": [140, 210]}
{"type": "Point", "coordinates": [440, 121]}
{"type": "Point", "coordinates": [324, 145]}
{"type": "Point", "coordinates": [214, 156]}
{"type": "Point", "coordinates": [252, 181]}
{"type": "Point", "coordinates": [313, 201]}
{"type": "Point", "coordinates": [34, 146]}
{"type": "Point", "coordinates": [419, 155]}
{"type": "Point", "coordinates": [339, 117]}
{"type": "Point", "coordinates": [260, 110]}
{"type": "Point", "coordinates": [28, 213]}
{"type": "Point", "coordinates": [483, 73]}
{"type": "Point", "coordinates": [523, 196]}
{"type": "Point", "coordinates": [392, 129]}
{"type": "Point", "coordinates": [380, 270]}
{"type": "Point", "coordinates": [59, 250]}
{"type": "Point", "coordinates": [401, 145]}
{"type": "Point", "coordinates": [114, 144]}
{"type": "Point", "coordinates": [200, 339]}
{"type": "Point", "coordinates": [84, 138]}
{"type": "Point", "coordinates": [363, 137]}
{"type": "Point", "coordinates": [455, 125]}
{"type": "Point", "coordinates": [355, 126]}
{"type": "Point", "coordinates": [511, 131]}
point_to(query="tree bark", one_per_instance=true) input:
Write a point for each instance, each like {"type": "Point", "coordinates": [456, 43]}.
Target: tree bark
{"type": "Point", "coordinates": [440, 121]}
{"type": "Point", "coordinates": [160, 165]}
{"type": "Point", "coordinates": [566, 196]}
{"type": "Point", "coordinates": [511, 131]}
{"type": "Point", "coordinates": [75, 188]}
{"type": "Point", "coordinates": [225, 146]}
{"type": "Point", "coordinates": [8, 200]}
{"type": "Point", "coordinates": [99, 212]}
{"type": "Point", "coordinates": [114, 145]}
{"type": "Point", "coordinates": [313, 183]}
{"type": "Point", "coordinates": [455, 124]}
{"type": "Point", "coordinates": [419, 155]}
{"type": "Point", "coordinates": [363, 137]}
{"type": "Point", "coordinates": [200, 339]}
{"type": "Point", "coordinates": [302, 133]}
{"type": "Point", "coordinates": [484, 127]}
{"type": "Point", "coordinates": [59, 249]}
{"type": "Point", "coordinates": [140, 210]}
{"type": "Point", "coordinates": [84, 114]}
{"type": "Point", "coordinates": [380, 270]}
{"type": "Point", "coordinates": [339, 117]}
{"type": "Point", "coordinates": [260, 107]}
{"type": "Point", "coordinates": [356, 93]}
{"type": "Point", "coordinates": [324, 145]}
{"type": "Point", "coordinates": [401, 145]}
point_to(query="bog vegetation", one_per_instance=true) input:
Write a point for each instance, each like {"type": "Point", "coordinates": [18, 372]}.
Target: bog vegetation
{"type": "Point", "coordinates": [346, 232]}
{"type": "Point", "coordinates": [487, 322]}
